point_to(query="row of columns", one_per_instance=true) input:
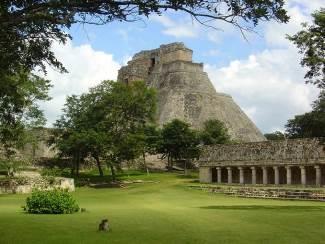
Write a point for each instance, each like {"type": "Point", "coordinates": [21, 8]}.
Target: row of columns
{"type": "Point", "coordinates": [276, 175]}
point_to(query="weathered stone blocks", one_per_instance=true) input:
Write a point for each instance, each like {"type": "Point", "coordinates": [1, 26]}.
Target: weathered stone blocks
{"type": "Point", "coordinates": [185, 91]}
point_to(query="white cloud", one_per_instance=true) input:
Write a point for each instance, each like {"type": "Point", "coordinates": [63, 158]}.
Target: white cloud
{"type": "Point", "coordinates": [275, 33]}
{"type": "Point", "coordinates": [182, 28]}
{"type": "Point", "coordinates": [268, 86]}
{"type": "Point", "coordinates": [86, 66]}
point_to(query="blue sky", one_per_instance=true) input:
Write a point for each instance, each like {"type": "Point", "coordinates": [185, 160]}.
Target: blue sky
{"type": "Point", "coordinates": [263, 75]}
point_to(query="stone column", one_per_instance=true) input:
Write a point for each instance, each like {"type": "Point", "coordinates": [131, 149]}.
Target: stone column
{"type": "Point", "coordinates": [264, 175]}
{"type": "Point", "coordinates": [219, 174]}
{"type": "Point", "coordinates": [276, 175]}
{"type": "Point", "coordinates": [303, 175]}
{"type": "Point", "coordinates": [241, 175]}
{"type": "Point", "coordinates": [288, 168]}
{"type": "Point", "coordinates": [318, 175]}
{"type": "Point", "coordinates": [205, 175]}
{"type": "Point", "coordinates": [229, 175]}
{"type": "Point", "coordinates": [253, 175]}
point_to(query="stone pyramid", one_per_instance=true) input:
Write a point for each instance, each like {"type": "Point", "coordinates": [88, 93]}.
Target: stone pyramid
{"type": "Point", "coordinates": [185, 91]}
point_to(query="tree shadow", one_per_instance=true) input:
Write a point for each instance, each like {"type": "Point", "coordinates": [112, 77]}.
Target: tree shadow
{"type": "Point", "coordinates": [194, 177]}
{"type": "Point", "coordinates": [266, 207]}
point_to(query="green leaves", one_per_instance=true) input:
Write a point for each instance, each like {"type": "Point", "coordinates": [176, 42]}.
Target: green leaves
{"type": "Point", "coordinates": [55, 201]}
{"type": "Point", "coordinates": [311, 43]}
{"type": "Point", "coordinates": [107, 123]}
{"type": "Point", "coordinates": [214, 132]}
{"type": "Point", "coordinates": [29, 27]}
{"type": "Point", "coordinates": [277, 135]}
{"type": "Point", "coordinates": [310, 124]}
{"type": "Point", "coordinates": [19, 94]}
{"type": "Point", "coordinates": [178, 141]}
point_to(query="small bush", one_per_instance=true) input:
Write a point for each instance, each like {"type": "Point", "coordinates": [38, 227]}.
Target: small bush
{"type": "Point", "coordinates": [51, 171]}
{"type": "Point", "coordinates": [51, 202]}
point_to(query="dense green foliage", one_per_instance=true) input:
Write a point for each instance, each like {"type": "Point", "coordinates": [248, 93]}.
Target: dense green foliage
{"type": "Point", "coordinates": [107, 123]}
{"type": "Point", "coordinates": [273, 136]}
{"type": "Point", "coordinates": [311, 124]}
{"type": "Point", "coordinates": [19, 110]}
{"type": "Point", "coordinates": [166, 212]}
{"type": "Point", "coordinates": [178, 141]}
{"type": "Point", "coordinates": [214, 132]}
{"type": "Point", "coordinates": [51, 202]}
{"type": "Point", "coordinates": [311, 43]}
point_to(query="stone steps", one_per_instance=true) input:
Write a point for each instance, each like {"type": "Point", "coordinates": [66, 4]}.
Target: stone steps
{"type": "Point", "coordinates": [280, 193]}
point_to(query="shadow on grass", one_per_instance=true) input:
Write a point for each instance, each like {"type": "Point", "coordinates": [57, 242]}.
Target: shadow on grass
{"type": "Point", "coordinates": [188, 177]}
{"type": "Point", "coordinates": [194, 181]}
{"type": "Point", "coordinates": [266, 207]}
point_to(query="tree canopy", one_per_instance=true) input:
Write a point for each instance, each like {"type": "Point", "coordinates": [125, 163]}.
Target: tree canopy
{"type": "Point", "coordinates": [108, 123]}
{"type": "Point", "coordinates": [20, 110]}
{"type": "Point", "coordinates": [178, 141]}
{"type": "Point", "coordinates": [273, 136]}
{"type": "Point", "coordinates": [214, 132]}
{"type": "Point", "coordinates": [311, 43]}
{"type": "Point", "coordinates": [310, 124]}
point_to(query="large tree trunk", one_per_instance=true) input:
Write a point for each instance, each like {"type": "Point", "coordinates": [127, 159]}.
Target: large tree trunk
{"type": "Point", "coordinates": [78, 164]}
{"type": "Point", "coordinates": [100, 170]}
{"type": "Point", "coordinates": [111, 166]}
{"type": "Point", "coordinates": [144, 162]}
{"type": "Point", "coordinates": [113, 172]}
{"type": "Point", "coordinates": [170, 163]}
{"type": "Point", "coordinates": [185, 167]}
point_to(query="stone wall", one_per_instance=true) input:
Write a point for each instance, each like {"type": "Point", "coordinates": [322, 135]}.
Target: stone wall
{"type": "Point", "coordinates": [34, 151]}
{"type": "Point", "coordinates": [295, 161]}
{"type": "Point", "coordinates": [293, 151]}
{"type": "Point", "coordinates": [40, 183]}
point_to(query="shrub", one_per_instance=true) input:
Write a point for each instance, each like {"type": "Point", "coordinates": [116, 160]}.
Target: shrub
{"type": "Point", "coordinates": [56, 201]}
{"type": "Point", "coordinates": [51, 171]}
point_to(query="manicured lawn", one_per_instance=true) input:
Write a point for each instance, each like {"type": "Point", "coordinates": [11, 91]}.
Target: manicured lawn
{"type": "Point", "coordinates": [165, 212]}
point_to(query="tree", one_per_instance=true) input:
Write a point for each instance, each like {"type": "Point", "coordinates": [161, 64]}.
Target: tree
{"type": "Point", "coordinates": [19, 110]}
{"type": "Point", "coordinates": [311, 43]}
{"type": "Point", "coordinates": [178, 142]}
{"type": "Point", "coordinates": [310, 124]}
{"type": "Point", "coordinates": [214, 132]}
{"type": "Point", "coordinates": [274, 136]}
{"type": "Point", "coordinates": [107, 123]}
{"type": "Point", "coordinates": [69, 135]}
{"type": "Point", "coordinates": [151, 142]}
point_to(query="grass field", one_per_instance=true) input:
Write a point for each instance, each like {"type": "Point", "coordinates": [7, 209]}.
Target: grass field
{"type": "Point", "coordinates": [165, 212]}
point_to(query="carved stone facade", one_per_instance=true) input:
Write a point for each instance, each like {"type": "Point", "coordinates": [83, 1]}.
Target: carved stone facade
{"type": "Point", "coordinates": [185, 91]}
{"type": "Point", "coordinates": [293, 161]}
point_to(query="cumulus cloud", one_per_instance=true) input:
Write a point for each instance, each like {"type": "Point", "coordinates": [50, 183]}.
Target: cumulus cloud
{"type": "Point", "coordinates": [86, 66]}
{"type": "Point", "coordinates": [182, 28]}
{"type": "Point", "coordinates": [268, 86]}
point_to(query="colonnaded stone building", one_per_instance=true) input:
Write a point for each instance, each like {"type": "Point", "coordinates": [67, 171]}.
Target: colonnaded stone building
{"type": "Point", "coordinates": [293, 161]}
{"type": "Point", "coordinates": [185, 91]}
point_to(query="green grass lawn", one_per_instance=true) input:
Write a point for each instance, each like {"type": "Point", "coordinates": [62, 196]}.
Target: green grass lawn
{"type": "Point", "coordinates": [165, 212]}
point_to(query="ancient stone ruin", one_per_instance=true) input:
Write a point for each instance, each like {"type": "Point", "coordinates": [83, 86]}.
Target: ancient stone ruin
{"type": "Point", "coordinates": [292, 161]}
{"type": "Point", "coordinates": [185, 91]}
